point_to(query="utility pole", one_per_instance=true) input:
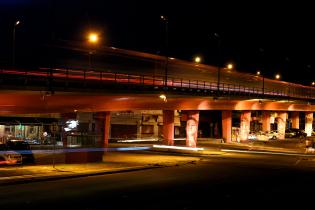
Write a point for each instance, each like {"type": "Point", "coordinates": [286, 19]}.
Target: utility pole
{"type": "Point", "coordinates": [13, 42]}
{"type": "Point", "coordinates": [219, 60]}
{"type": "Point", "coordinates": [165, 21]}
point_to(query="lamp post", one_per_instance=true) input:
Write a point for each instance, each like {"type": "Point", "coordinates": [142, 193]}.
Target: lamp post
{"type": "Point", "coordinates": [13, 42]}
{"type": "Point", "coordinates": [258, 73]}
{"type": "Point", "coordinates": [219, 60]}
{"type": "Point", "coordinates": [197, 59]}
{"type": "Point", "coordinates": [230, 66]}
{"type": "Point", "coordinates": [165, 21]}
{"type": "Point", "coordinates": [93, 39]}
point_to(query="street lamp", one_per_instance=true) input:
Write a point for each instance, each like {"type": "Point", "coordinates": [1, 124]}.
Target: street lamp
{"type": "Point", "coordinates": [277, 76]}
{"type": "Point", "coordinates": [219, 59]}
{"type": "Point", "coordinates": [13, 42]}
{"type": "Point", "coordinates": [197, 59]}
{"type": "Point", "coordinates": [165, 21]}
{"type": "Point", "coordinates": [163, 97]}
{"type": "Point", "coordinates": [313, 83]}
{"type": "Point", "coordinates": [93, 39]}
{"type": "Point", "coordinates": [230, 66]}
{"type": "Point", "coordinates": [258, 73]}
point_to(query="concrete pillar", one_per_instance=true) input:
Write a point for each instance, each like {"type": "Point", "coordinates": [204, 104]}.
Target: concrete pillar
{"type": "Point", "coordinates": [308, 123]}
{"type": "Point", "coordinates": [245, 125]}
{"type": "Point", "coordinates": [281, 123]}
{"type": "Point", "coordinates": [295, 117]}
{"type": "Point", "coordinates": [192, 128]}
{"type": "Point", "coordinates": [156, 130]}
{"type": "Point", "coordinates": [266, 121]}
{"type": "Point", "coordinates": [102, 127]}
{"type": "Point", "coordinates": [139, 130]}
{"type": "Point", "coordinates": [227, 126]}
{"type": "Point", "coordinates": [168, 127]}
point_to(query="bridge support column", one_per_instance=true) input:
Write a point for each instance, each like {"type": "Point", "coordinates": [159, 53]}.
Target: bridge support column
{"type": "Point", "coordinates": [295, 116]}
{"type": "Point", "coordinates": [192, 128]}
{"type": "Point", "coordinates": [102, 127]}
{"type": "Point", "coordinates": [227, 126]}
{"type": "Point", "coordinates": [281, 123]}
{"type": "Point", "coordinates": [308, 123]}
{"type": "Point", "coordinates": [266, 121]}
{"type": "Point", "coordinates": [245, 125]}
{"type": "Point", "coordinates": [168, 127]}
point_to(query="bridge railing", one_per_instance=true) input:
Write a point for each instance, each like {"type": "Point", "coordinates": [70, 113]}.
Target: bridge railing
{"type": "Point", "coordinates": [83, 76]}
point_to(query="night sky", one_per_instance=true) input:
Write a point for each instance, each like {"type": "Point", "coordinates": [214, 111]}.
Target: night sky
{"type": "Point", "coordinates": [275, 38]}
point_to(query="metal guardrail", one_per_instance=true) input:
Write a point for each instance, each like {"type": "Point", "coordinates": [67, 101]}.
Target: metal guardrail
{"type": "Point", "coordinates": [80, 75]}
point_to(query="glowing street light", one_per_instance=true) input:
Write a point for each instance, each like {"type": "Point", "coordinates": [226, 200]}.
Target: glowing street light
{"type": "Point", "coordinates": [258, 73]}
{"type": "Point", "coordinates": [313, 83]}
{"type": "Point", "coordinates": [278, 76]}
{"type": "Point", "coordinates": [163, 97]}
{"type": "Point", "coordinates": [230, 66]}
{"type": "Point", "coordinates": [93, 38]}
{"type": "Point", "coordinates": [197, 59]}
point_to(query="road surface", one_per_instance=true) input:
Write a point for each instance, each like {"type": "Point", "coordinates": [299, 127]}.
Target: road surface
{"type": "Point", "coordinates": [230, 181]}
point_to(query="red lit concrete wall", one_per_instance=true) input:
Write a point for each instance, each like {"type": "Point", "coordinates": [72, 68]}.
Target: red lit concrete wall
{"type": "Point", "coordinates": [226, 125]}
{"type": "Point", "coordinates": [106, 128]}
{"type": "Point", "coordinates": [281, 122]}
{"type": "Point", "coordinates": [245, 125]}
{"type": "Point", "coordinates": [309, 123]}
{"type": "Point", "coordinates": [102, 127]}
{"type": "Point", "coordinates": [168, 127]}
{"type": "Point", "coordinates": [295, 117]}
{"type": "Point", "coordinates": [265, 121]}
{"type": "Point", "coordinates": [192, 128]}
{"type": "Point", "coordinates": [31, 103]}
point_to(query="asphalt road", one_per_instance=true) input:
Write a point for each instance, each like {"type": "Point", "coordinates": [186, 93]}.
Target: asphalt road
{"type": "Point", "coordinates": [230, 181]}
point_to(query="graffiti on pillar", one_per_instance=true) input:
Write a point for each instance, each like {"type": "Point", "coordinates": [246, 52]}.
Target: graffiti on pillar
{"type": "Point", "coordinates": [308, 124]}
{"type": "Point", "coordinates": [191, 133]}
{"type": "Point", "coordinates": [244, 128]}
{"type": "Point", "coordinates": [281, 127]}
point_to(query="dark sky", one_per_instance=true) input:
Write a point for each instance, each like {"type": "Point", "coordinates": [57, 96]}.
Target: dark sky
{"type": "Point", "coordinates": [278, 38]}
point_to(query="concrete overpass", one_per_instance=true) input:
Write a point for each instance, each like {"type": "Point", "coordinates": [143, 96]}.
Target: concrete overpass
{"type": "Point", "coordinates": [60, 90]}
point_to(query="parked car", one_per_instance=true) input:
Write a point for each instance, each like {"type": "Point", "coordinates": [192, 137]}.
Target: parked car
{"type": "Point", "coordinates": [272, 135]}
{"type": "Point", "coordinates": [8, 157]}
{"type": "Point", "coordinates": [252, 136]}
{"type": "Point", "coordinates": [32, 141]}
{"type": "Point", "coordinates": [263, 136]}
{"type": "Point", "coordinates": [23, 148]}
{"type": "Point", "coordinates": [295, 133]}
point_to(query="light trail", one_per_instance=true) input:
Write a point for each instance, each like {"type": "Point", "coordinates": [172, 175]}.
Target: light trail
{"type": "Point", "coordinates": [266, 152]}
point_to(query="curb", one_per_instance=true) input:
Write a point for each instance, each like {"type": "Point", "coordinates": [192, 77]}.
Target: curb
{"type": "Point", "coordinates": [222, 151]}
{"type": "Point", "coordinates": [186, 153]}
{"type": "Point", "coordinates": [36, 178]}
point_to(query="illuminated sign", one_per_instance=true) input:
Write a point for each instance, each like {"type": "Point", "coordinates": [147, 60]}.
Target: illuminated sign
{"type": "Point", "coordinates": [71, 125]}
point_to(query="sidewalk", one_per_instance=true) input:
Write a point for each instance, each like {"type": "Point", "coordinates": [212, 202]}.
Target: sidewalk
{"type": "Point", "coordinates": [286, 146]}
{"type": "Point", "coordinates": [114, 162]}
